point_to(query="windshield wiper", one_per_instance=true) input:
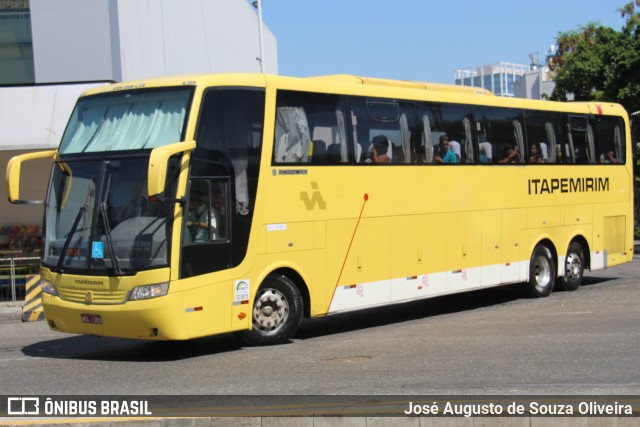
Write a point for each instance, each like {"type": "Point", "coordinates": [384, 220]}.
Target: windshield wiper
{"type": "Point", "coordinates": [107, 235]}
{"type": "Point", "coordinates": [67, 241]}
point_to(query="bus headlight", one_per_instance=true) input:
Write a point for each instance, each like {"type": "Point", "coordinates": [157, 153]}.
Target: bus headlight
{"type": "Point", "coordinates": [48, 287]}
{"type": "Point", "coordinates": [148, 291]}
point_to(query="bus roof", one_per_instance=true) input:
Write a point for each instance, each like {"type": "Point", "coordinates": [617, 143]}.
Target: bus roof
{"type": "Point", "coordinates": [405, 84]}
{"type": "Point", "coordinates": [335, 78]}
{"type": "Point", "coordinates": [382, 87]}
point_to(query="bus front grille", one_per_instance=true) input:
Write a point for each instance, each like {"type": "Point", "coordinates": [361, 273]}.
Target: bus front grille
{"type": "Point", "coordinates": [91, 296]}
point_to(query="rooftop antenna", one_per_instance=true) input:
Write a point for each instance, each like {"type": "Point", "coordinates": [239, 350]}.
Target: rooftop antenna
{"type": "Point", "coordinates": [533, 57]}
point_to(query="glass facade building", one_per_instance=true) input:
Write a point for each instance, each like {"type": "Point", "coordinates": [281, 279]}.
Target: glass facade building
{"type": "Point", "coordinates": [499, 78]}
{"type": "Point", "coordinates": [16, 45]}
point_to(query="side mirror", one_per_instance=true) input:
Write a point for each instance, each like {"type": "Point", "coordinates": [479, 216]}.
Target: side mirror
{"type": "Point", "coordinates": [13, 175]}
{"type": "Point", "coordinates": [157, 174]}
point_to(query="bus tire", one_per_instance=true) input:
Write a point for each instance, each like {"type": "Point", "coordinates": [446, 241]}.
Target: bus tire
{"type": "Point", "coordinates": [277, 312]}
{"type": "Point", "coordinates": [573, 268]}
{"type": "Point", "coordinates": [542, 272]}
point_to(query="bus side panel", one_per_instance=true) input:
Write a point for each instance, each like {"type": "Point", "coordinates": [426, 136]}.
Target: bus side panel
{"type": "Point", "coordinates": [614, 227]}
{"type": "Point", "coordinates": [613, 235]}
{"type": "Point", "coordinates": [464, 249]}
{"type": "Point", "coordinates": [364, 281]}
{"type": "Point", "coordinates": [491, 247]}
{"type": "Point", "coordinates": [514, 262]}
{"type": "Point", "coordinates": [598, 255]}
{"type": "Point", "coordinates": [417, 256]}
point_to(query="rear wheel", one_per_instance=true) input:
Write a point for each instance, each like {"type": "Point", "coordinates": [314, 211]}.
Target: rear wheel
{"type": "Point", "coordinates": [277, 312]}
{"type": "Point", "coordinates": [542, 272]}
{"type": "Point", "coordinates": [573, 268]}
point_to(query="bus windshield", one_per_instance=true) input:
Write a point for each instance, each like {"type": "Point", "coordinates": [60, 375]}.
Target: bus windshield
{"type": "Point", "coordinates": [141, 119]}
{"type": "Point", "coordinates": [99, 218]}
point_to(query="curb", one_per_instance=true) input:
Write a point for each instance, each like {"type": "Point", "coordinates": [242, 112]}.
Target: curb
{"type": "Point", "coordinates": [10, 312]}
{"type": "Point", "coordinates": [329, 421]}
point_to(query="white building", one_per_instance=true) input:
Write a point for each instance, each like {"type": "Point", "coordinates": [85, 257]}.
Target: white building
{"type": "Point", "coordinates": [535, 84]}
{"type": "Point", "coordinates": [52, 50]}
{"type": "Point", "coordinates": [499, 78]}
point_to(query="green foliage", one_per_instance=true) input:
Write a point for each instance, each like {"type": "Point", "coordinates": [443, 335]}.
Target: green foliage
{"type": "Point", "coordinates": [599, 63]}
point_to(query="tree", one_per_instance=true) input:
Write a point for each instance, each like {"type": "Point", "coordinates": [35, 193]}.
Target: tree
{"type": "Point", "coordinates": [600, 63]}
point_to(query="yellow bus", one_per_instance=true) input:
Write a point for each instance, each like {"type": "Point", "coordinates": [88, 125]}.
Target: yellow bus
{"type": "Point", "coordinates": [190, 206]}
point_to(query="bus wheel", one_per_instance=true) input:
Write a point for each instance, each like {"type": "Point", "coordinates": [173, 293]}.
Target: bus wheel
{"type": "Point", "coordinates": [277, 312]}
{"type": "Point", "coordinates": [542, 272]}
{"type": "Point", "coordinates": [573, 268]}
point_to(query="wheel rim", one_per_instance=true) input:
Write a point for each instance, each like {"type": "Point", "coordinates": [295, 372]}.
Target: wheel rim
{"type": "Point", "coordinates": [573, 268]}
{"type": "Point", "coordinates": [542, 272]}
{"type": "Point", "coordinates": [270, 311]}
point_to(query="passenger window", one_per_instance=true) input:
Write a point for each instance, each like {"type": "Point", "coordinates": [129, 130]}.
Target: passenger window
{"type": "Point", "coordinates": [500, 135]}
{"type": "Point", "coordinates": [580, 140]}
{"type": "Point", "coordinates": [379, 125]}
{"type": "Point", "coordinates": [609, 139]}
{"type": "Point", "coordinates": [310, 128]}
{"type": "Point", "coordinates": [446, 127]}
{"type": "Point", "coordinates": [456, 124]}
{"type": "Point", "coordinates": [544, 132]}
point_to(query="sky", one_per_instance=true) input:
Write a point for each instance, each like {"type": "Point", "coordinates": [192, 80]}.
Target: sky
{"type": "Point", "coordinates": [424, 40]}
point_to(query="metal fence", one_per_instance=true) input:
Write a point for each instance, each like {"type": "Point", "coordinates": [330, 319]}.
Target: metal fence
{"type": "Point", "coordinates": [13, 276]}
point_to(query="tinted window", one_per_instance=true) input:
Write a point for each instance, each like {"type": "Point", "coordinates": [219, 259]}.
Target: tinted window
{"type": "Point", "coordinates": [382, 131]}
{"type": "Point", "coordinates": [310, 128]}
{"type": "Point", "coordinates": [544, 137]}
{"type": "Point", "coordinates": [609, 140]}
{"type": "Point", "coordinates": [452, 121]}
{"type": "Point", "coordinates": [501, 137]}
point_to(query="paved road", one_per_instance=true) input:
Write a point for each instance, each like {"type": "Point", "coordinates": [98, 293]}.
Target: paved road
{"type": "Point", "coordinates": [489, 342]}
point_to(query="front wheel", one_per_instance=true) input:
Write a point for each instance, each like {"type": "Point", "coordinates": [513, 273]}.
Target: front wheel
{"type": "Point", "coordinates": [277, 312]}
{"type": "Point", "coordinates": [573, 268]}
{"type": "Point", "coordinates": [542, 272]}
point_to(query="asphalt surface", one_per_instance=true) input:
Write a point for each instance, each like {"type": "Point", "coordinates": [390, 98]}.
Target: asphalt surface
{"type": "Point", "coordinates": [593, 326]}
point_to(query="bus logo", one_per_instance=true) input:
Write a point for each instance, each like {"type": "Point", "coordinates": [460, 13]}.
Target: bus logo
{"type": "Point", "coordinates": [313, 199]}
{"type": "Point", "coordinates": [23, 406]}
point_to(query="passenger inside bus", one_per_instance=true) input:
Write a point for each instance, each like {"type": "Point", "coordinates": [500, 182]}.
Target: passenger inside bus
{"type": "Point", "coordinates": [609, 157]}
{"type": "Point", "coordinates": [485, 155]}
{"type": "Point", "coordinates": [509, 154]}
{"type": "Point", "coordinates": [380, 150]}
{"type": "Point", "coordinates": [444, 154]}
{"type": "Point", "coordinates": [535, 154]}
{"type": "Point", "coordinates": [455, 147]}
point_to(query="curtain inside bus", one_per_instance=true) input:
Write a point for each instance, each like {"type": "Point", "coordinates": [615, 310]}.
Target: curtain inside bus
{"type": "Point", "coordinates": [126, 121]}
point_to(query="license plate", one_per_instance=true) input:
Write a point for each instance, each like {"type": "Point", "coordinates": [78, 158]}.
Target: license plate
{"type": "Point", "coordinates": [96, 319]}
